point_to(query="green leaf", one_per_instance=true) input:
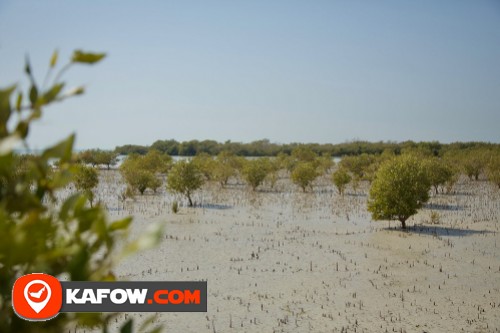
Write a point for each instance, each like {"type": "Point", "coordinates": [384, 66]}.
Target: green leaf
{"type": "Point", "coordinates": [19, 101]}
{"type": "Point", "coordinates": [5, 109]}
{"type": "Point", "coordinates": [27, 67]}
{"type": "Point", "coordinates": [88, 218]}
{"type": "Point", "coordinates": [35, 114]}
{"type": "Point", "coordinates": [78, 266]}
{"type": "Point", "coordinates": [62, 150]}
{"type": "Point", "coordinates": [53, 59]}
{"type": "Point", "coordinates": [87, 57]}
{"type": "Point", "coordinates": [127, 327]}
{"type": "Point", "coordinates": [68, 206]}
{"type": "Point", "coordinates": [52, 94]}
{"type": "Point", "coordinates": [121, 224]}
{"type": "Point", "coordinates": [33, 94]}
{"type": "Point", "coordinates": [22, 129]}
{"type": "Point", "coordinates": [74, 92]}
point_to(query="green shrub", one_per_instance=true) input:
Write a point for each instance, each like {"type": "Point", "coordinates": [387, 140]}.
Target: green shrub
{"type": "Point", "coordinates": [37, 234]}
{"type": "Point", "coordinates": [304, 174]}
{"type": "Point", "coordinates": [175, 207]}
{"type": "Point", "coordinates": [400, 188]}
{"type": "Point", "coordinates": [435, 217]}
{"type": "Point", "coordinates": [255, 171]}
{"type": "Point", "coordinates": [86, 179]}
{"type": "Point", "coordinates": [185, 178]}
{"type": "Point", "coordinates": [143, 171]}
{"type": "Point", "coordinates": [340, 179]}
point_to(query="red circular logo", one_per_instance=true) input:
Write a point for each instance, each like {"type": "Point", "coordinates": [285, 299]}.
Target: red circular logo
{"type": "Point", "coordinates": [37, 296]}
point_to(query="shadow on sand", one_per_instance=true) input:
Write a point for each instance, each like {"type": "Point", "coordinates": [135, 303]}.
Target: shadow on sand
{"type": "Point", "coordinates": [354, 194]}
{"type": "Point", "coordinates": [444, 207]}
{"type": "Point", "coordinates": [213, 206]}
{"type": "Point", "coordinates": [457, 194]}
{"type": "Point", "coordinates": [439, 231]}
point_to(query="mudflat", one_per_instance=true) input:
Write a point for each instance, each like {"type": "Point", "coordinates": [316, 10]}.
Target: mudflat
{"type": "Point", "coordinates": [279, 260]}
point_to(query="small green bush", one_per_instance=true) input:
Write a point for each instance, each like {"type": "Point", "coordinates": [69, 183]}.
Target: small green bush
{"type": "Point", "coordinates": [185, 178]}
{"type": "Point", "coordinates": [340, 179]}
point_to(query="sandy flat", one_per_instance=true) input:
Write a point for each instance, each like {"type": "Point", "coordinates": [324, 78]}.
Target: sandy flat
{"type": "Point", "coordinates": [285, 261]}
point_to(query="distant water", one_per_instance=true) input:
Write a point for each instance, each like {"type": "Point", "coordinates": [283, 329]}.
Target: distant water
{"type": "Point", "coordinates": [121, 158]}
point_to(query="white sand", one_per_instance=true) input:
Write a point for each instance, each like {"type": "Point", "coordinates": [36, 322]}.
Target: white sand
{"type": "Point", "coordinates": [323, 265]}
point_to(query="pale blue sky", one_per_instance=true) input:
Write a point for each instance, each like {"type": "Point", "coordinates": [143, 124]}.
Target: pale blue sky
{"type": "Point", "coordinates": [289, 71]}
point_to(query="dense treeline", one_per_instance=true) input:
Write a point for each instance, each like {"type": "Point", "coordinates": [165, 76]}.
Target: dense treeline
{"type": "Point", "coordinates": [267, 148]}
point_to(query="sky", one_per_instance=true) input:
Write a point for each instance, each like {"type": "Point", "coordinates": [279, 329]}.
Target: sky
{"type": "Point", "coordinates": [289, 71]}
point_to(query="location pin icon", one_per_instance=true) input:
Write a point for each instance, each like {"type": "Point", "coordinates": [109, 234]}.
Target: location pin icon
{"type": "Point", "coordinates": [37, 306]}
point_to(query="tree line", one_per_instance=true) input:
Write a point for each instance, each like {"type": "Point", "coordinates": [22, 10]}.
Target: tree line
{"type": "Point", "coordinates": [266, 148]}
